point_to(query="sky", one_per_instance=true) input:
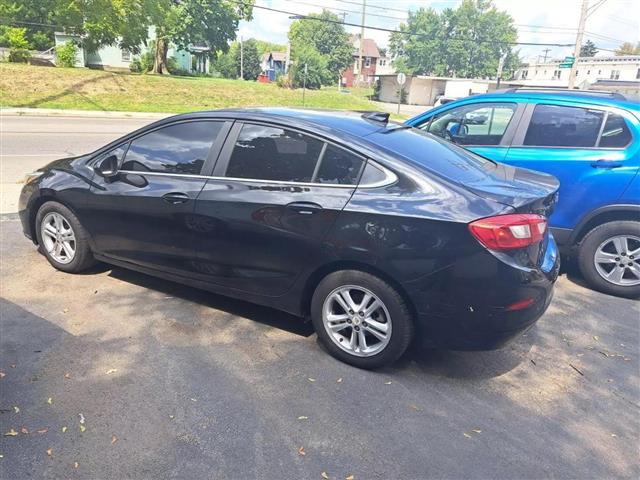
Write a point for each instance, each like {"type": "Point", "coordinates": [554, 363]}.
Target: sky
{"type": "Point", "coordinates": [540, 21]}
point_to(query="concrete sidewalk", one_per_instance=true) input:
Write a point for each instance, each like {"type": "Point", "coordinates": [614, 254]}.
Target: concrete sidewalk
{"type": "Point", "coordinates": [55, 112]}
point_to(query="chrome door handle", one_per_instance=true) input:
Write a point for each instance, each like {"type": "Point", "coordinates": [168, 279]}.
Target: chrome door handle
{"type": "Point", "coordinates": [304, 208]}
{"type": "Point", "coordinates": [174, 198]}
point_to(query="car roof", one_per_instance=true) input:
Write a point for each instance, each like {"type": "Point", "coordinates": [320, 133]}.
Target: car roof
{"type": "Point", "coordinates": [350, 122]}
{"type": "Point", "coordinates": [586, 97]}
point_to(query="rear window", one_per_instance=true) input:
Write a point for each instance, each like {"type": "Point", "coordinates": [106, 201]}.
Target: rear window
{"type": "Point", "coordinates": [433, 153]}
{"type": "Point", "coordinates": [615, 133]}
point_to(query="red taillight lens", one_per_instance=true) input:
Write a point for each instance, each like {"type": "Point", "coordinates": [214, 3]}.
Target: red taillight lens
{"type": "Point", "coordinates": [506, 232]}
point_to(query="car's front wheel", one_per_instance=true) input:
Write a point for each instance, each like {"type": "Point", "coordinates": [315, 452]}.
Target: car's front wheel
{"type": "Point", "coordinates": [361, 319]}
{"type": "Point", "coordinates": [609, 258]}
{"type": "Point", "coordinates": [62, 239]}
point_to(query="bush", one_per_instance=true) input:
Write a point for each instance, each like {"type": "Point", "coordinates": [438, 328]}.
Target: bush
{"type": "Point", "coordinates": [376, 89]}
{"type": "Point", "coordinates": [18, 45]}
{"type": "Point", "coordinates": [66, 54]}
{"type": "Point", "coordinates": [144, 63]}
{"type": "Point", "coordinates": [283, 81]}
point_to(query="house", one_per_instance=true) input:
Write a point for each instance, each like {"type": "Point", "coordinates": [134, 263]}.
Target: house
{"type": "Point", "coordinates": [273, 64]}
{"type": "Point", "coordinates": [588, 71]}
{"type": "Point", "coordinates": [385, 66]}
{"type": "Point", "coordinates": [366, 71]}
{"type": "Point", "coordinates": [425, 90]}
{"type": "Point", "coordinates": [194, 60]}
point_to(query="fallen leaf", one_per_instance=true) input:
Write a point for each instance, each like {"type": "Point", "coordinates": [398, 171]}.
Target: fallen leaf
{"type": "Point", "coordinates": [476, 430]}
{"type": "Point", "coordinates": [339, 380]}
{"type": "Point", "coordinates": [11, 433]}
{"type": "Point", "coordinates": [16, 409]}
{"type": "Point", "coordinates": [302, 417]}
{"type": "Point", "coordinates": [50, 452]}
{"type": "Point", "coordinates": [415, 407]}
{"type": "Point", "coordinates": [466, 435]}
{"type": "Point", "coordinates": [81, 417]}
{"type": "Point", "coordinates": [50, 401]}
{"type": "Point", "coordinates": [13, 365]}
{"type": "Point", "coordinates": [595, 337]}
{"type": "Point", "coordinates": [65, 310]}
{"type": "Point", "coordinates": [76, 464]}
{"type": "Point", "coordinates": [114, 439]}
{"type": "Point", "coordinates": [67, 376]}
{"type": "Point", "coordinates": [194, 399]}
{"type": "Point", "coordinates": [388, 383]}
{"type": "Point", "coordinates": [614, 435]}
{"type": "Point", "coordinates": [311, 379]}
{"type": "Point", "coordinates": [1, 456]}
{"type": "Point", "coordinates": [350, 477]}
{"type": "Point", "coordinates": [64, 429]}
{"type": "Point", "coordinates": [43, 430]}
{"type": "Point", "coordinates": [324, 475]}
{"type": "Point", "coordinates": [2, 374]}
{"type": "Point", "coordinates": [82, 428]}
{"type": "Point", "coordinates": [24, 430]}
{"type": "Point", "coordinates": [112, 370]}
{"type": "Point", "coordinates": [171, 417]}
{"type": "Point", "coordinates": [301, 451]}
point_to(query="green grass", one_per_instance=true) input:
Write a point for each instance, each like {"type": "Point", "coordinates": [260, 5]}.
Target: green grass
{"type": "Point", "coordinates": [84, 89]}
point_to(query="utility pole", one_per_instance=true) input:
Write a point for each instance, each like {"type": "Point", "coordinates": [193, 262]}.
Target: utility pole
{"type": "Point", "coordinates": [241, 60]}
{"type": "Point", "coordinates": [364, 6]}
{"type": "Point", "coordinates": [304, 83]}
{"type": "Point", "coordinates": [584, 12]}
{"type": "Point", "coordinates": [546, 54]}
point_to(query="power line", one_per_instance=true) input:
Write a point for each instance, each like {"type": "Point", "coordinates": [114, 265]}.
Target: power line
{"type": "Point", "coordinates": [343, 10]}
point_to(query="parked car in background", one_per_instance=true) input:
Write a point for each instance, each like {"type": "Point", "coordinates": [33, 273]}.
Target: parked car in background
{"type": "Point", "coordinates": [590, 141]}
{"type": "Point", "coordinates": [376, 231]}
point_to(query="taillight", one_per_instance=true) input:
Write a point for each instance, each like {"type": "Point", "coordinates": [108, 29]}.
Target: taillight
{"type": "Point", "coordinates": [506, 232]}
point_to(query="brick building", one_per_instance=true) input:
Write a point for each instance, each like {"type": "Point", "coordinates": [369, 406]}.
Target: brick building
{"type": "Point", "coordinates": [370, 56]}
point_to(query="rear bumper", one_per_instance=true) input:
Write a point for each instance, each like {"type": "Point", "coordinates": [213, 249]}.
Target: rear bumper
{"type": "Point", "coordinates": [483, 303]}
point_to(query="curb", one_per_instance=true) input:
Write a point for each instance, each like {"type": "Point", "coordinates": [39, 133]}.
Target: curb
{"type": "Point", "coordinates": [53, 112]}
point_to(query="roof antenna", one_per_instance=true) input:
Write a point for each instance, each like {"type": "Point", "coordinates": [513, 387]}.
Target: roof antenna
{"type": "Point", "coordinates": [376, 116]}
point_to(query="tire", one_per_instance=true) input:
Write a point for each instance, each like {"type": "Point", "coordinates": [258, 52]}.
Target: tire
{"type": "Point", "coordinates": [391, 314]}
{"type": "Point", "coordinates": [600, 239]}
{"type": "Point", "coordinates": [81, 258]}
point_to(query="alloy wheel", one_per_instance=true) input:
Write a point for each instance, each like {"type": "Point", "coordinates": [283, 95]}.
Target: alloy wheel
{"type": "Point", "coordinates": [58, 238]}
{"type": "Point", "coordinates": [617, 260]}
{"type": "Point", "coordinates": [356, 320]}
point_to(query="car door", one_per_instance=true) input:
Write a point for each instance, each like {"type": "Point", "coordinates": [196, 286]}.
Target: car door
{"type": "Point", "coordinates": [590, 150]}
{"type": "Point", "coordinates": [275, 194]}
{"type": "Point", "coordinates": [485, 128]}
{"type": "Point", "coordinates": [143, 214]}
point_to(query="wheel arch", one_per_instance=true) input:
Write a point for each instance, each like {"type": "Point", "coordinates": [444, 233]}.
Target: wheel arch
{"type": "Point", "coordinates": [44, 197]}
{"type": "Point", "coordinates": [314, 279]}
{"type": "Point", "coordinates": [600, 216]}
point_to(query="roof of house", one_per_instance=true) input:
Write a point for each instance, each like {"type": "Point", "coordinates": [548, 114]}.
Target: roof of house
{"type": "Point", "coordinates": [279, 56]}
{"type": "Point", "coordinates": [369, 46]}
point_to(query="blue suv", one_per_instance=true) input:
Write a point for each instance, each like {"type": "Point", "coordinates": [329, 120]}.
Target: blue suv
{"type": "Point", "coordinates": [590, 141]}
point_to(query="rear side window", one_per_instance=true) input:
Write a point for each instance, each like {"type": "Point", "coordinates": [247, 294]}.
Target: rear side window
{"type": "Point", "coordinates": [339, 167]}
{"type": "Point", "coordinates": [271, 153]}
{"type": "Point", "coordinates": [181, 148]}
{"type": "Point", "coordinates": [559, 126]}
{"type": "Point", "coordinates": [615, 133]}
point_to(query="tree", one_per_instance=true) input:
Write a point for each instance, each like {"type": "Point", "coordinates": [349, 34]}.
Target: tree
{"type": "Point", "coordinates": [628, 48]}
{"type": "Point", "coordinates": [189, 22]}
{"type": "Point", "coordinates": [250, 60]}
{"type": "Point", "coordinates": [310, 69]}
{"type": "Point", "coordinates": [588, 49]}
{"type": "Point", "coordinates": [34, 16]}
{"type": "Point", "coordinates": [18, 45]}
{"type": "Point", "coordinates": [329, 39]}
{"type": "Point", "coordinates": [466, 42]}
{"type": "Point", "coordinates": [267, 47]}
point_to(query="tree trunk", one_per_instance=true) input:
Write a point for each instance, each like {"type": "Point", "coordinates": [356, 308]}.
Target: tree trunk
{"type": "Point", "coordinates": [160, 64]}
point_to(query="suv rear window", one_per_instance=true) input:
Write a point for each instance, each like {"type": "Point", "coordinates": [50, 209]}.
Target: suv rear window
{"type": "Point", "coordinates": [559, 126]}
{"type": "Point", "coordinates": [615, 133]}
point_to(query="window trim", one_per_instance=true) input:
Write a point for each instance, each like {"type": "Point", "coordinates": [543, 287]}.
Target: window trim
{"type": "Point", "coordinates": [224, 158]}
{"type": "Point", "coordinates": [518, 139]}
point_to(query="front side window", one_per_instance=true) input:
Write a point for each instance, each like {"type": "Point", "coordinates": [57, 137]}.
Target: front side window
{"type": "Point", "coordinates": [272, 153]}
{"type": "Point", "coordinates": [559, 126]}
{"type": "Point", "coordinates": [480, 124]}
{"type": "Point", "coordinates": [615, 133]}
{"type": "Point", "coordinates": [181, 148]}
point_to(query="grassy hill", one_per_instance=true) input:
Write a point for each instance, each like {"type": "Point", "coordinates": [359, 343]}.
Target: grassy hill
{"type": "Point", "coordinates": [84, 89]}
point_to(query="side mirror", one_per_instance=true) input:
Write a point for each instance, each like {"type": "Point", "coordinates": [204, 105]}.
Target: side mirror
{"type": "Point", "coordinates": [108, 166]}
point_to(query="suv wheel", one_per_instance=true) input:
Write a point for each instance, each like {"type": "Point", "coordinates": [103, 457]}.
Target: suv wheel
{"type": "Point", "coordinates": [62, 239]}
{"type": "Point", "coordinates": [609, 258]}
{"type": "Point", "coordinates": [360, 319]}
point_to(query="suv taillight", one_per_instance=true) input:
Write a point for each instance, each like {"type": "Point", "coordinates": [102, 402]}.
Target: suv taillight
{"type": "Point", "coordinates": [506, 232]}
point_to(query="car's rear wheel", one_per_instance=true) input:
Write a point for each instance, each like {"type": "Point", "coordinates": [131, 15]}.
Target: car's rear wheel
{"type": "Point", "coordinates": [361, 319]}
{"type": "Point", "coordinates": [62, 238]}
{"type": "Point", "coordinates": [609, 258]}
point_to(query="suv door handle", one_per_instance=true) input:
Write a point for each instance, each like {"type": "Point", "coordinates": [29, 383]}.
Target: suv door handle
{"type": "Point", "coordinates": [304, 208]}
{"type": "Point", "coordinates": [605, 164]}
{"type": "Point", "coordinates": [175, 198]}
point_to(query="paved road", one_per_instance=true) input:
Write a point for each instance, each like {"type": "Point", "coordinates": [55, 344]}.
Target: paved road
{"type": "Point", "coordinates": [177, 383]}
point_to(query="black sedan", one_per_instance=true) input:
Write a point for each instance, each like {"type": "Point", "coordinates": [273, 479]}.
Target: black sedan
{"type": "Point", "coordinates": [377, 231]}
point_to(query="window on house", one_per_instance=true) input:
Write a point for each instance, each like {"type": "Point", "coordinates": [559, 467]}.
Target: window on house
{"type": "Point", "coordinates": [615, 75]}
{"type": "Point", "coordinates": [126, 56]}
{"type": "Point", "coordinates": [588, 72]}
{"type": "Point", "coordinates": [525, 73]}
{"type": "Point", "coordinates": [638, 74]}
{"type": "Point", "coordinates": [557, 74]}
{"type": "Point", "coordinates": [599, 72]}
{"type": "Point", "coordinates": [367, 62]}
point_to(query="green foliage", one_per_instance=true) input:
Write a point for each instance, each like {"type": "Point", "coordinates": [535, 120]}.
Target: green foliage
{"type": "Point", "coordinates": [329, 40]}
{"type": "Point", "coordinates": [465, 42]}
{"type": "Point", "coordinates": [588, 49]}
{"type": "Point", "coordinates": [377, 86]}
{"type": "Point", "coordinates": [317, 72]}
{"type": "Point", "coordinates": [32, 14]}
{"type": "Point", "coordinates": [628, 48]}
{"type": "Point", "coordinates": [18, 45]}
{"type": "Point", "coordinates": [402, 94]}
{"type": "Point", "coordinates": [283, 81]}
{"type": "Point", "coordinates": [143, 63]}
{"type": "Point", "coordinates": [66, 54]}
{"type": "Point", "coordinates": [266, 47]}
{"type": "Point", "coordinates": [250, 60]}
{"type": "Point", "coordinates": [225, 64]}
